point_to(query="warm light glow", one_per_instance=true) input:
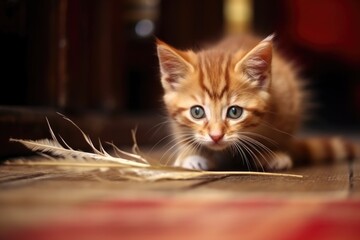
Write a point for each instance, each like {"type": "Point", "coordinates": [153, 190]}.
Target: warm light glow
{"type": "Point", "coordinates": [238, 15]}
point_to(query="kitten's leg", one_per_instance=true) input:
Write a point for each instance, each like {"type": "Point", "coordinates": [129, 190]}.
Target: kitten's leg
{"type": "Point", "coordinates": [196, 162]}
{"type": "Point", "coordinates": [278, 160]}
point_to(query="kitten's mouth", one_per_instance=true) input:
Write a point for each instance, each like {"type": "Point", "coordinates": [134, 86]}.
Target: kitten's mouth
{"type": "Point", "coordinates": [216, 145]}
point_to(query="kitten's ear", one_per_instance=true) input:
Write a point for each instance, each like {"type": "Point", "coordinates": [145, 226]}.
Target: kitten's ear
{"type": "Point", "coordinates": [256, 65]}
{"type": "Point", "coordinates": [174, 65]}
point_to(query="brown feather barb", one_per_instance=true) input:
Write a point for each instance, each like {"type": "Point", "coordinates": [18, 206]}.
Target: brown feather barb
{"type": "Point", "coordinates": [132, 166]}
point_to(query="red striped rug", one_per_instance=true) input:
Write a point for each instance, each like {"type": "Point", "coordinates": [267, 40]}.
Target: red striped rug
{"type": "Point", "coordinates": [171, 218]}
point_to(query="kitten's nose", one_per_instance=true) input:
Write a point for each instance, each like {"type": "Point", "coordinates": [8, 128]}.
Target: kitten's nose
{"type": "Point", "coordinates": [216, 138]}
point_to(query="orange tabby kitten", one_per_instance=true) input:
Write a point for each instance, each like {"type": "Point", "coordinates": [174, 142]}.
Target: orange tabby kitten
{"type": "Point", "coordinates": [238, 100]}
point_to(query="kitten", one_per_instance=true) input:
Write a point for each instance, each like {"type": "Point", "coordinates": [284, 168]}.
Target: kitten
{"type": "Point", "coordinates": [238, 100]}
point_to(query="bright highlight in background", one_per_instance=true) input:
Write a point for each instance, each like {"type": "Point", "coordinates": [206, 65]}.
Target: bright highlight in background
{"type": "Point", "coordinates": [144, 28]}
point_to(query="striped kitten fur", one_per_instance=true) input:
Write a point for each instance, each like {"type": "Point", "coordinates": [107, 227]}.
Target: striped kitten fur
{"type": "Point", "coordinates": [239, 101]}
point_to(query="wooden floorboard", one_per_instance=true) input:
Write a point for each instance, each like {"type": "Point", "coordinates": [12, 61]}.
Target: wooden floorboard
{"type": "Point", "coordinates": [33, 193]}
{"type": "Point", "coordinates": [43, 185]}
{"type": "Point", "coordinates": [38, 185]}
{"type": "Point", "coordinates": [355, 179]}
{"type": "Point", "coordinates": [28, 193]}
{"type": "Point", "coordinates": [320, 180]}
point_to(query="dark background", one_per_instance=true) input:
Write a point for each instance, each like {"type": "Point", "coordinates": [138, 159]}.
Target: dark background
{"type": "Point", "coordinates": [82, 57]}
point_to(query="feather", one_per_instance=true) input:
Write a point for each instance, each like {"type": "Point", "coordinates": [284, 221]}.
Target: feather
{"type": "Point", "coordinates": [55, 149]}
{"type": "Point", "coordinates": [131, 166]}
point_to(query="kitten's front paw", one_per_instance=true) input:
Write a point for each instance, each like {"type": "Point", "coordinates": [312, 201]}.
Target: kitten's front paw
{"type": "Point", "coordinates": [195, 162]}
{"type": "Point", "coordinates": [280, 161]}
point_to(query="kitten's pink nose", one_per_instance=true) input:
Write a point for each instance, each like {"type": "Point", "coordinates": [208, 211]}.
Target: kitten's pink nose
{"type": "Point", "coordinates": [216, 138]}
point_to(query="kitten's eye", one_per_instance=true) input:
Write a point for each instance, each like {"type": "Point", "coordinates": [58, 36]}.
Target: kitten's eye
{"type": "Point", "coordinates": [197, 112]}
{"type": "Point", "coordinates": [234, 112]}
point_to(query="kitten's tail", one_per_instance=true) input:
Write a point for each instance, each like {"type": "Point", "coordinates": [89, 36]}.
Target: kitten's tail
{"type": "Point", "coordinates": [322, 150]}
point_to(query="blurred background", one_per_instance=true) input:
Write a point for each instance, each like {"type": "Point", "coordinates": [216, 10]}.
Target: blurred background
{"type": "Point", "coordinates": [95, 60]}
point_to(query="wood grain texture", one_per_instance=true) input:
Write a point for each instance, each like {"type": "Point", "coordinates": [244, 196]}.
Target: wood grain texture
{"type": "Point", "coordinates": [329, 180]}
{"type": "Point", "coordinates": [355, 180]}
{"type": "Point", "coordinates": [35, 193]}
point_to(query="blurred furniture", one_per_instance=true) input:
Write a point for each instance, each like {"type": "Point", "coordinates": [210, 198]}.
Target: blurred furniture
{"type": "Point", "coordinates": [92, 60]}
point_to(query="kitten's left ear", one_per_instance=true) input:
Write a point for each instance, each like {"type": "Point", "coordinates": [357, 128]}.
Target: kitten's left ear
{"type": "Point", "coordinates": [256, 64]}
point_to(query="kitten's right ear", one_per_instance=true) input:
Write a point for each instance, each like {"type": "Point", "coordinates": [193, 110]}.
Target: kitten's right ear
{"type": "Point", "coordinates": [256, 64]}
{"type": "Point", "coordinates": [174, 65]}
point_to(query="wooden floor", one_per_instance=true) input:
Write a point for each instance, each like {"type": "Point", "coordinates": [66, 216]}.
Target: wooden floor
{"type": "Point", "coordinates": [33, 193]}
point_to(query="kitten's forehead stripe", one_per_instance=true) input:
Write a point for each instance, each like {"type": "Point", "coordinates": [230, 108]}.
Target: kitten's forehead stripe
{"type": "Point", "coordinates": [214, 76]}
{"type": "Point", "coordinates": [203, 75]}
{"type": "Point", "coordinates": [226, 69]}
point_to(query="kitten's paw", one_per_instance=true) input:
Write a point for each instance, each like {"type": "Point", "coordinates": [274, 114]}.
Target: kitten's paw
{"type": "Point", "coordinates": [280, 161]}
{"type": "Point", "coordinates": [195, 162]}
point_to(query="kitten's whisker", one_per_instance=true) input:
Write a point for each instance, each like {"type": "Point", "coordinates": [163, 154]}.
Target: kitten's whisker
{"type": "Point", "coordinates": [245, 141]}
{"type": "Point", "coordinates": [242, 154]}
{"type": "Point", "coordinates": [175, 137]}
{"type": "Point", "coordinates": [252, 154]}
{"type": "Point", "coordinates": [269, 140]}
{"type": "Point", "coordinates": [155, 129]}
{"type": "Point", "coordinates": [162, 140]}
{"type": "Point", "coordinates": [178, 140]}
{"type": "Point", "coordinates": [174, 143]}
{"type": "Point", "coordinates": [244, 150]}
{"type": "Point", "coordinates": [258, 144]}
{"type": "Point", "coordinates": [189, 147]}
{"type": "Point", "coordinates": [267, 150]}
{"type": "Point", "coordinates": [241, 147]}
{"type": "Point", "coordinates": [237, 148]}
{"type": "Point", "coordinates": [177, 143]}
{"type": "Point", "coordinates": [157, 126]}
{"type": "Point", "coordinates": [276, 129]}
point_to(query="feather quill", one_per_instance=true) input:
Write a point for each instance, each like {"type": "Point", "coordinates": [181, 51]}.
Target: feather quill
{"type": "Point", "coordinates": [132, 166]}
